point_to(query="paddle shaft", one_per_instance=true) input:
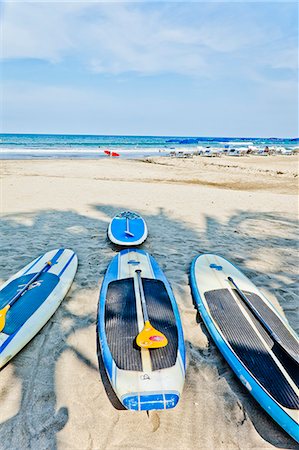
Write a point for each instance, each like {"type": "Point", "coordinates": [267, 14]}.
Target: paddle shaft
{"type": "Point", "coordinates": [261, 320]}
{"type": "Point", "coordinates": [142, 296]}
{"type": "Point", "coordinates": [21, 292]}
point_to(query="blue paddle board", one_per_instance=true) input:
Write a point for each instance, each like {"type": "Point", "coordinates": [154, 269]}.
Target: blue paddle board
{"type": "Point", "coordinates": [256, 341]}
{"type": "Point", "coordinates": [142, 378]}
{"type": "Point", "coordinates": [127, 229]}
{"type": "Point", "coordinates": [38, 303]}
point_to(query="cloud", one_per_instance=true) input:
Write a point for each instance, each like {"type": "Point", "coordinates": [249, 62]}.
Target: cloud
{"type": "Point", "coordinates": [193, 39]}
{"type": "Point", "coordinates": [106, 38]}
{"type": "Point", "coordinates": [150, 67]}
{"type": "Point", "coordinates": [128, 40]}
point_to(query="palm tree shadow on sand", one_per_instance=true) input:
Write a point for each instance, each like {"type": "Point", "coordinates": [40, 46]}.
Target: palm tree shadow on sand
{"type": "Point", "coordinates": [114, 400]}
{"type": "Point", "coordinates": [38, 421]}
{"type": "Point", "coordinates": [234, 241]}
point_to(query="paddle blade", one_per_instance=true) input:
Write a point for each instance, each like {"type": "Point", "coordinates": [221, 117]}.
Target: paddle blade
{"type": "Point", "coordinates": [149, 337]}
{"type": "Point", "coordinates": [3, 316]}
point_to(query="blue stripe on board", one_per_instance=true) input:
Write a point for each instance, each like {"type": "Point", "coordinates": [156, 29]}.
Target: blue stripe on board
{"type": "Point", "coordinates": [57, 256]}
{"type": "Point", "coordinates": [32, 265]}
{"type": "Point", "coordinates": [29, 302]}
{"type": "Point", "coordinates": [5, 343]}
{"type": "Point", "coordinates": [66, 265]}
{"type": "Point", "coordinates": [53, 260]}
{"type": "Point", "coordinates": [111, 274]}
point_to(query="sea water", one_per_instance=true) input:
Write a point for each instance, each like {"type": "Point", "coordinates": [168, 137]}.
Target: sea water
{"type": "Point", "coordinates": [28, 146]}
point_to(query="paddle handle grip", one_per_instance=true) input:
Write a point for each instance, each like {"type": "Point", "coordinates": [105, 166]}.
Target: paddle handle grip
{"type": "Point", "coordinates": [21, 292]}
{"type": "Point", "coordinates": [142, 296]}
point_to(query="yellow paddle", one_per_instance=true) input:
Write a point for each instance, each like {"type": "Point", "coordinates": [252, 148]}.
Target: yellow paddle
{"type": "Point", "coordinates": [4, 310]}
{"type": "Point", "coordinates": [148, 337]}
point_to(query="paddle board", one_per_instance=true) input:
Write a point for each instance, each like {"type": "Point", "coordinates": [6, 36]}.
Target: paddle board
{"type": "Point", "coordinates": [127, 228]}
{"type": "Point", "coordinates": [143, 379]}
{"type": "Point", "coordinates": [247, 328]}
{"type": "Point", "coordinates": [37, 304]}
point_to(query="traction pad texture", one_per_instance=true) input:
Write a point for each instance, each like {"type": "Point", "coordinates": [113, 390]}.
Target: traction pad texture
{"type": "Point", "coordinates": [274, 322]}
{"type": "Point", "coordinates": [162, 318]}
{"type": "Point", "coordinates": [249, 347]}
{"type": "Point", "coordinates": [121, 324]}
{"type": "Point", "coordinates": [122, 328]}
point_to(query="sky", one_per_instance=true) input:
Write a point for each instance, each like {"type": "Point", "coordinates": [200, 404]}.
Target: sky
{"type": "Point", "coordinates": [150, 68]}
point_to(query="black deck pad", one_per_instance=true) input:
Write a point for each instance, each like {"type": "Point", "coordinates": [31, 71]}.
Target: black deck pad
{"type": "Point", "coordinates": [122, 327]}
{"type": "Point", "coordinates": [274, 322]}
{"type": "Point", "coordinates": [249, 348]}
{"type": "Point", "coordinates": [121, 324]}
{"type": "Point", "coordinates": [162, 318]}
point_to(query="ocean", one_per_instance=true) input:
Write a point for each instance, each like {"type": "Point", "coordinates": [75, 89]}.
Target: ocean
{"type": "Point", "coordinates": [28, 146]}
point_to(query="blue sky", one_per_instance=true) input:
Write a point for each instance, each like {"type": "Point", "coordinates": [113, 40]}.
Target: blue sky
{"type": "Point", "coordinates": [152, 68]}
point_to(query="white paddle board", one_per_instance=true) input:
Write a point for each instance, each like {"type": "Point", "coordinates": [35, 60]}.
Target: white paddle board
{"type": "Point", "coordinates": [142, 378]}
{"type": "Point", "coordinates": [38, 303]}
{"type": "Point", "coordinates": [256, 341]}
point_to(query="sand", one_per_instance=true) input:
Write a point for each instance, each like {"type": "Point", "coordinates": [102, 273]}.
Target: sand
{"type": "Point", "coordinates": [245, 209]}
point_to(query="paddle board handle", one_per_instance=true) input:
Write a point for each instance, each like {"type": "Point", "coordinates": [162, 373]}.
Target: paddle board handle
{"type": "Point", "coordinates": [21, 292]}
{"type": "Point", "coordinates": [262, 321]}
{"type": "Point", "coordinates": [142, 296]}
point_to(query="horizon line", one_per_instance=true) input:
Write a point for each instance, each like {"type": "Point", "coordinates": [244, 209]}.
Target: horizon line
{"type": "Point", "coordinates": [149, 135]}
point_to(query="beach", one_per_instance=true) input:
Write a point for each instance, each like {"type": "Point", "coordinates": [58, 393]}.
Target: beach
{"type": "Point", "coordinates": [244, 209]}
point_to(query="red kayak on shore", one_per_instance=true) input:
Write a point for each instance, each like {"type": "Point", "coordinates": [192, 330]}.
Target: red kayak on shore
{"type": "Point", "coordinates": [109, 153]}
